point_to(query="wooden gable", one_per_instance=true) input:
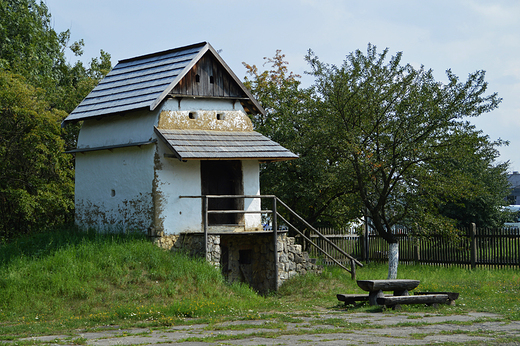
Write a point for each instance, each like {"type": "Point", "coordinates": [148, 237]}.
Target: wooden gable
{"type": "Point", "coordinates": [208, 78]}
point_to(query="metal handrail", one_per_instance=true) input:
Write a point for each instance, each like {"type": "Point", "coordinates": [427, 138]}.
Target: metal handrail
{"type": "Point", "coordinates": [275, 214]}
{"type": "Point", "coordinates": [319, 234]}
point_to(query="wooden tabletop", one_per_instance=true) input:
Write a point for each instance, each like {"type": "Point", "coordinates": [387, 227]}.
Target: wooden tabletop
{"type": "Point", "coordinates": [387, 285]}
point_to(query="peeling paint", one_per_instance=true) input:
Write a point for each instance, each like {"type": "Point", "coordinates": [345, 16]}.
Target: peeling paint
{"type": "Point", "coordinates": [135, 214]}
{"type": "Point", "coordinates": [113, 189]}
{"type": "Point", "coordinates": [205, 120]}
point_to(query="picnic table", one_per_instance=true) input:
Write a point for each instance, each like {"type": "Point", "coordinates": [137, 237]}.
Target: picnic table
{"type": "Point", "coordinates": [375, 288]}
{"type": "Point", "coordinates": [400, 288]}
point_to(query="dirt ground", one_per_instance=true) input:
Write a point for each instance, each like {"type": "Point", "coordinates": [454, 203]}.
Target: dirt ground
{"type": "Point", "coordinates": [315, 329]}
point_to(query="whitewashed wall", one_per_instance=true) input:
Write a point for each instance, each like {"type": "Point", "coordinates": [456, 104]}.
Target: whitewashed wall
{"type": "Point", "coordinates": [251, 174]}
{"type": "Point", "coordinates": [175, 178]}
{"type": "Point", "coordinates": [138, 187]}
{"type": "Point", "coordinates": [114, 130]}
{"type": "Point", "coordinates": [113, 188]}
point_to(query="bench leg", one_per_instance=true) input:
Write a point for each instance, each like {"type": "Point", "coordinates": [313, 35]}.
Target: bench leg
{"type": "Point", "coordinates": [372, 297]}
{"type": "Point", "coordinates": [396, 307]}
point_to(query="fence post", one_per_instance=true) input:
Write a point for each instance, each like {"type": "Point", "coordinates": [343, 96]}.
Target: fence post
{"type": "Point", "coordinates": [353, 269]}
{"type": "Point", "coordinates": [416, 252]}
{"type": "Point", "coordinates": [361, 243]}
{"type": "Point", "coordinates": [364, 243]}
{"type": "Point", "coordinates": [473, 246]}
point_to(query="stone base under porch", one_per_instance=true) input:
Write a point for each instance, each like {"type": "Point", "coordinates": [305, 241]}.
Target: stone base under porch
{"type": "Point", "coordinates": [246, 256]}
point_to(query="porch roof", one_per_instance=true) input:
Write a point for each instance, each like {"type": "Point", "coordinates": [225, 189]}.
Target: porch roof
{"type": "Point", "coordinates": [223, 145]}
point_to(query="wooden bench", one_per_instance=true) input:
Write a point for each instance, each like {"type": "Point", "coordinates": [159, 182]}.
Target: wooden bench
{"type": "Point", "coordinates": [352, 298]}
{"type": "Point", "coordinates": [396, 301]}
{"type": "Point", "coordinates": [400, 296]}
{"type": "Point", "coordinates": [452, 296]}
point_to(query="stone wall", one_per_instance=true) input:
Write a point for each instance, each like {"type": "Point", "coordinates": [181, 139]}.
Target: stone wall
{"type": "Point", "coordinates": [246, 257]}
{"type": "Point", "coordinates": [192, 243]}
{"type": "Point", "coordinates": [292, 260]}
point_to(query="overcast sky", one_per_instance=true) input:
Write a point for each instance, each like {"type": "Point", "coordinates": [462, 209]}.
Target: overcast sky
{"type": "Point", "coordinates": [462, 35]}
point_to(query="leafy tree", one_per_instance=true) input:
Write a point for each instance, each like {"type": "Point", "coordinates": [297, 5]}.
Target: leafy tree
{"type": "Point", "coordinates": [308, 184]}
{"type": "Point", "coordinates": [39, 88]}
{"type": "Point", "coordinates": [400, 141]}
{"type": "Point", "coordinates": [487, 192]}
{"type": "Point", "coordinates": [28, 44]}
{"type": "Point", "coordinates": [36, 180]}
{"type": "Point", "coordinates": [77, 81]}
{"type": "Point", "coordinates": [30, 47]}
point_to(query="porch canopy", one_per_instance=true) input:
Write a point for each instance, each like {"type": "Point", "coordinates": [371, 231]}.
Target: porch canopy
{"type": "Point", "coordinates": [223, 145]}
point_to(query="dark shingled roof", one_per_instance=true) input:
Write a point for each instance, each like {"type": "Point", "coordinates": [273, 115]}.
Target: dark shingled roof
{"type": "Point", "coordinates": [223, 145]}
{"type": "Point", "coordinates": [143, 82]}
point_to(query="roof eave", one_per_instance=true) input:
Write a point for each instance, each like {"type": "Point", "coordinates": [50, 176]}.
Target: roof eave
{"type": "Point", "coordinates": [165, 141]}
{"type": "Point", "coordinates": [272, 155]}
{"type": "Point", "coordinates": [261, 159]}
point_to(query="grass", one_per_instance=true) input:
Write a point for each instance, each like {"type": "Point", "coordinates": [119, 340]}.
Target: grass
{"type": "Point", "coordinates": [66, 279]}
{"type": "Point", "coordinates": [90, 279]}
{"type": "Point", "coordinates": [482, 290]}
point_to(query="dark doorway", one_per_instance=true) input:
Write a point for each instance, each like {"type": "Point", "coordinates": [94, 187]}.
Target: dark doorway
{"type": "Point", "coordinates": [223, 178]}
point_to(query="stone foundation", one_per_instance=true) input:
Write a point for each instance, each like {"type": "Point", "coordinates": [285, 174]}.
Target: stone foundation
{"type": "Point", "coordinates": [246, 257]}
{"type": "Point", "coordinates": [292, 260]}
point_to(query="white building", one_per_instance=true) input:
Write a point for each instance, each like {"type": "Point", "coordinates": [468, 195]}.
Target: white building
{"type": "Point", "coordinates": [162, 132]}
{"type": "Point", "coordinates": [163, 127]}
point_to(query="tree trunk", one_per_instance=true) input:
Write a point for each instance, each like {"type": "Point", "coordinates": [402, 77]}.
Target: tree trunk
{"type": "Point", "coordinates": [393, 260]}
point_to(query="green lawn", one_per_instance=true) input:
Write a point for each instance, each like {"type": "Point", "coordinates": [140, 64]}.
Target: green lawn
{"type": "Point", "coordinates": [67, 279]}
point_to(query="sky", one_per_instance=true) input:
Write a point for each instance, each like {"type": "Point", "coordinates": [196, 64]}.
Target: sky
{"type": "Point", "coordinates": [461, 35]}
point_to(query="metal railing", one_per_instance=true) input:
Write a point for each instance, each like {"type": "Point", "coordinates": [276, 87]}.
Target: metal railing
{"type": "Point", "coordinates": [274, 220]}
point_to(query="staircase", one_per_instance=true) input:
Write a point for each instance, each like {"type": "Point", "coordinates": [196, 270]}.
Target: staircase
{"type": "Point", "coordinates": [353, 261]}
{"type": "Point", "coordinates": [275, 216]}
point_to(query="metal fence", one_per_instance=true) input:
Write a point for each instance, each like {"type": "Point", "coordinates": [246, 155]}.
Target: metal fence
{"type": "Point", "coordinates": [476, 247]}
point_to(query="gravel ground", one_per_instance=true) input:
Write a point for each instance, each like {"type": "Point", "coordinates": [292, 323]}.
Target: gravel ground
{"type": "Point", "coordinates": [315, 329]}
